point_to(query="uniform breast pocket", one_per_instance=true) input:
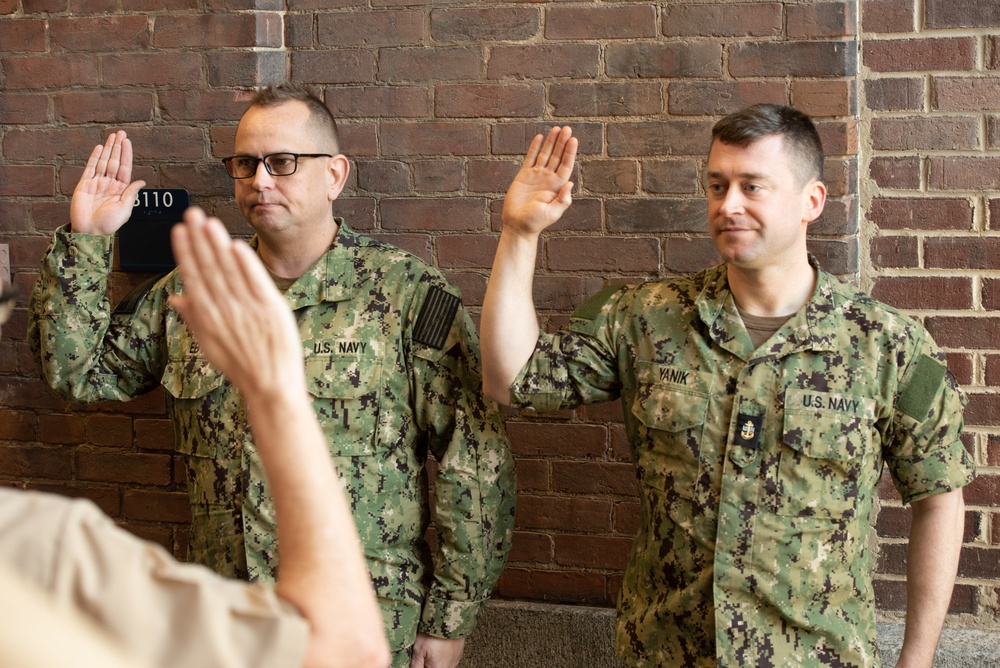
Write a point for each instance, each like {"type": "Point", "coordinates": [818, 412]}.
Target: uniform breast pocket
{"type": "Point", "coordinates": [670, 427]}
{"type": "Point", "coordinates": [347, 394]}
{"type": "Point", "coordinates": [198, 410]}
{"type": "Point", "coordinates": [828, 465]}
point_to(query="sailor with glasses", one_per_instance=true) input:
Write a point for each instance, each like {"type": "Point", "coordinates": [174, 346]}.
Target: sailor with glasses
{"type": "Point", "coordinates": [392, 366]}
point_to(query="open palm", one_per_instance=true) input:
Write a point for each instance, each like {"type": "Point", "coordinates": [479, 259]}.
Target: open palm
{"type": "Point", "coordinates": [540, 192]}
{"type": "Point", "coordinates": [102, 201]}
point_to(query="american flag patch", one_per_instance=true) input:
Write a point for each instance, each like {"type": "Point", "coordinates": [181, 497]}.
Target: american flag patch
{"type": "Point", "coordinates": [436, 316]}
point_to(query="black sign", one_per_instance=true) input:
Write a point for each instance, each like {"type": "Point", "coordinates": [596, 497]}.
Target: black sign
{"type": "Point", "coordinates": [144, 241]}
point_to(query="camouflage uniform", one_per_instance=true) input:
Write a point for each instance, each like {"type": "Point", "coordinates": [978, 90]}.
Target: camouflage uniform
{"type": "Point", "coordinates": [758, 468]}
{"type": "Point", "coordinates": [392, 363]}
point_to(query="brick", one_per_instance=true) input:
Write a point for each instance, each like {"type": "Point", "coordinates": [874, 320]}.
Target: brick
{"type": "Point", "coordinates": [684, 255]}
{"type": "Point", "coordinates": [44, 6]}
{"type": "Point", "coordinates": [659, 138]}
{"type": "Point", "coordinates": [491, 176]}
{"type": "Point", "coordinates": [901, 173]}
{"type": "Point", "coordinates": [561, 586]}
{"type": "Point", "coordinates": [258, 29]}
{"type": "Point", "coordinates": [531, 547]}
{"type": "Point", "coordinates": [19, 35]}
{"type": "Point", "coordinates": [433, 138]}
{"type": "Point", "coordinates": [334, 67]}
{"type": "Point", "coordinates": [485, 25]}
{"type": "Point", "coordinates": [942, 14]}
{"type": "Point", "coordinates": [994, 53]}
{"type": "Point", "coordinates": [544, 61]}
{"type": "Point", "coordinates": [838, 137]}
{"type": "Point", "coordinates": [468, 213]}
{"type": "Point", "coordinates": [825, 98]}
{"type": "Point", "coordinates": [979, 562]}
{"type": "Point", "coordinates": [118, 33]}
{"type": "Point", "coordinates": [143, 469]}
{"type": "Point", "coordinates": [974, 333]}
{"type": "Point", "coordinates": [930, 213]}
{"type": "Point", "coordinates": [472, 286]}
{"type": "Point", "coordinates": [622, 255]}
{"type": "Point", "coordinates": [24, 109]}
{"type": "Point", "coordinates": [657, 214]}
{"type": "Point", "coordinates": [33, 462]}
{"type": "Point", "coordinates": [9, 6]}
{"type": "Point", "coordinates": [966, 94]}
{"type": "Point", "coordinates": [438, 175]}
{"type": "Point", "coordinates": [991, 297]}
{"type": "Point", "coordinates": [627, 517]}
{"type": "Point", "coordinates": [514, 138]}
{"type": "Point", "coordinates": [109, 430]}
{"type": "Point", "coordinates": [606, 99]}
{"type": "Point", "coordinates": [172, 143]}
{"type": "Point", "coordinates": [983, 491]}
{"type": "Point", "coordinates": [154, 434]}
{"type": "Point", "coordinates": [112, 106]}
{"type": "Point", "coordinates": [17, 425]}
{"type": "Point", "coordinates": [992, 132]}
{"type": "Point", "coordinates": [920, 133]}
{"type": "Point", "coordinates": [159, 69]}
{"type": "Point", "coordinates": [247, 68]}
{"type": "Point", "coordinates": [723, 20]}
{"type": "Point", "coordinates": [839, 218]}
{"type": "Point", "coordinates": [837, 256]}
{"type": "Point", "coordinates": [67, 142]}
{"type": "Point", "coordinates": [670, 177]}
{"type": "Point", "coordinates": [658, 59]}
{"type": "Point", "coordinates": [603, 552]}
{"type": "Point", "coordinates": [887, 16]}
{"type": "Point", "coordinates": [821, 19]}
{"type": "Point", "coordinates": [563, 514]}
{"type": "Point", "coordinates": [464, 251]}
{"type": "Point", "coordinates": [379, 101]}
{"type": "Point", "coordinates": [554, 439]}
{"type": "Point", "coordinates": [721, 98]}
{"type": "Point", "coordinates": [895, 94]}
{"type": "Point", "coordinates": [131, 6]}
{"type": "Point", "coordinates": [201, 105]}
{"type": "Point", "coordinates": [924, 292]}
{"type": "Point", "coordinates": [618, 177]}
{"type": "Point", "coordinates": [994, 213]}
{"type": "Point", "coordinates": [49, 71]}
{"type": "Point", "coordinates": [358, 139]}
{"type": "Point", "coordinates": [963, 173]}
{"type": "Point", "coordinates": [891, 595]}
{"type": "Point", "coordinates": [424, 64]}
{"type": "Point", "coordinates": [600, 22]}
{"type": "Point", "coordinates": [961, 366]}
{"type": "Point", "coordinates": [300, 31]}
{"type": "Point", "coordinates": [155, 506]}
{"type": "Point", "coordinates": [993, 459]}
{"type": "Point", "coordinates": [384, 176]}
{"type": "Point", "coordinates": [598, 478]}
{"type": "Point", "coordinates": [360, 211]}
{"type": "Point", "coordinates": [489, 100]}
{"type": "Point", "coordinates": [918, 55]}
{"type": "Point", "coordinates": [532, 475]}
{"type": "Point", "coordinates": [841, 175]}
{"type": "Point", "coordinates": [962, 253]}
{"type": "Point", "coordinates": [791, 58]}
{"type": "Point", "coordinates": [370, 28]}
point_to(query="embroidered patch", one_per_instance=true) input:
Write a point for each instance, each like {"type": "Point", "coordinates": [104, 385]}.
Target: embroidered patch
{"type": "Point", "coordinates": [436, 316]}
{"type": "Point", "coordinates": [130, 302]}
{"type": "Point", "coordinates": [923, 387]}
{"type": "Point", "coordinates": [748, 430]}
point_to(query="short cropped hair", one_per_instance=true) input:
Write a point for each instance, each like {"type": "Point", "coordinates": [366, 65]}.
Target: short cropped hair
{"type": "Point", "coordinates": [275, 94]}
{"type": "Point", "coordinates": [746, 126]}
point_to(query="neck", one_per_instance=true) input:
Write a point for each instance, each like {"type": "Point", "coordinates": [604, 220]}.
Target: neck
{"type": "Point", "coordinates": [291, 257]}
{"type": "Point", "coordinates": [772, 291]}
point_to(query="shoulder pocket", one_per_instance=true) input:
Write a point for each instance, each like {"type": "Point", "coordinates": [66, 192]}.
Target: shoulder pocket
{"type": "Point", "coordinates": [347, 393]}
{"type": "Point", "coordinates": [189, 381]}
{"type": "Point", "coordinates": [827, 462]}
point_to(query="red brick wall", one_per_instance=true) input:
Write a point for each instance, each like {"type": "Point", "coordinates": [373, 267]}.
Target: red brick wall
{"type": "Point", "coordinates": [438, 102]}
{"type": "Point", "coordinates": [930, 186]}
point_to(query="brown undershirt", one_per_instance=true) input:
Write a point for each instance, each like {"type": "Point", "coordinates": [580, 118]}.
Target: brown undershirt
{"type": "Point", "coordinates": [761, 328]}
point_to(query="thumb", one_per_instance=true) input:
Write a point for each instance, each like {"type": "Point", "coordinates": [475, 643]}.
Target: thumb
{"type": "Point", "coordinates": [565, 194]}
{"type": "Point", "coordinates": [129, 194]}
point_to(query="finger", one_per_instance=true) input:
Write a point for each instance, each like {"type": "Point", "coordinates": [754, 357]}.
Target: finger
{"type": "Point", "coordinates": [101, 169]}
{"type": "Point", "coordinates": [568, 157]}
{"type": "Point", "coordinates": [533, 148]}
{"type": "Point", "coordinates": [114, 161]}
{"type": "Point", "coordinates": [91, 169]}
{"type": "Point", "coordinates": [547, 147]}
{"type": "Point", "coordinates": [125, 167]}
{"type": "Point", "coordinates": [565, 194]}
{"type": "Point", "coordinates": [129, 195]}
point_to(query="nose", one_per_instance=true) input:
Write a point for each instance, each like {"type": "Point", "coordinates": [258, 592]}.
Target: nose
{"type": "Point", "coordinates": [262, 178]}
{"type": "Point", "coordinates": [732, 202]}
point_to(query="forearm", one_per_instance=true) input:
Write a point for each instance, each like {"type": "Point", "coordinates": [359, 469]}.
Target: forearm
{"type": "Point", "coordinates": [322, 569]}
{"type": "Point", "coordinates": [932, 563]}
{"type": "Point", "coordinates": [509, 324]}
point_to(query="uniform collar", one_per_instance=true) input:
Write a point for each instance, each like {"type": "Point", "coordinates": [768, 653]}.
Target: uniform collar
{"type": "Point", "coordinates": [332, 277]}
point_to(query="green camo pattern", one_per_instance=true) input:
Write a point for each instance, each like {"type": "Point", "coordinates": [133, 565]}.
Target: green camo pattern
{"type": "Point", "coordinates": [758, 468]}
{"type": "Point", "coordinates": [383, 399]}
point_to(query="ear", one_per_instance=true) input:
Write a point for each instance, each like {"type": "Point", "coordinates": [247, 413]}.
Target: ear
{"type": "Point", "coordinates": [813, 200]}
{"type": "Point", "coordinates": [339, 168]}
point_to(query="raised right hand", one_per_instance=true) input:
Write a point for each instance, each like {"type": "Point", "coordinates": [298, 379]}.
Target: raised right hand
{"type": "Point", "coordinates": [540, 192]}
{"type": "Point", "coordinates": [103, 199]}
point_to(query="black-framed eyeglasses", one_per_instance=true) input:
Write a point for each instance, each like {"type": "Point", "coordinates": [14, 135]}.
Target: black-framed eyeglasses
{"type": "Point", "coordinates": [276, 164]}
{"type": "Point", "coordinates": [6, 302]}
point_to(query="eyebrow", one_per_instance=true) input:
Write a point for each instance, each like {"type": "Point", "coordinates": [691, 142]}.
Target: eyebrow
{"type": "Point", "coordinates": [748, 176]}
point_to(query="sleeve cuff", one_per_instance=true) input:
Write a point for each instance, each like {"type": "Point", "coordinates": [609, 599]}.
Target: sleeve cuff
{"type": "Point", "coordinates": [938, 472]}
{"type": "Point", "coordinates": [449, 619]}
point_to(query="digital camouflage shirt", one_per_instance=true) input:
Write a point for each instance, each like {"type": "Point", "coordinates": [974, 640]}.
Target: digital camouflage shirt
{"type": "Point", "coordinates": [392, 363]}
{"type": "Point", "coordinates": [758, 468]}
